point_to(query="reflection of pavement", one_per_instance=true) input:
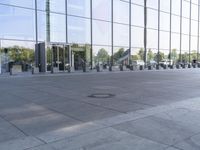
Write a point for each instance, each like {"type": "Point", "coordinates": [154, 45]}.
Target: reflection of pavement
{"type": "Point", "coordinates": [155, 110]}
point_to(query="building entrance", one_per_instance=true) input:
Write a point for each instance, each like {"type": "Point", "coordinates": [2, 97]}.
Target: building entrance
{"type": "Point", "coordinates": [58, 57]}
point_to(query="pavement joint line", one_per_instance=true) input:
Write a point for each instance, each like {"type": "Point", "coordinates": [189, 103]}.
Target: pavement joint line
{"type": "Point", "coordinates": [25, 134]}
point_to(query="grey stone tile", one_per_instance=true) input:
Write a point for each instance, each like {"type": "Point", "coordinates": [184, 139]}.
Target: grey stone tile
{"type": "Point", "coordinates": [116, 104]}
{"type": "Point", "coordinates": [191, 143]}
{"type": "Point", "coordinates": [82, 111]}
{"type": "Point", "coordinates": [67, 132]}
{"type": "Point", "coordinates": [103, 139]}
{"type": "Point", "coordinates": [23, 111]}
{"type": "Point", "coordinates": [44, 123]}
{"type": "Point", "coordinates": [20, 143]}
{"type": "Point", "coordinates": [120, 119]}
{"type": "Point", "coordinates": [188, 118]}
{"type": "Point", "coordinates": [157, 129]}
{"type": "Point", "coordinates": [9, 132]}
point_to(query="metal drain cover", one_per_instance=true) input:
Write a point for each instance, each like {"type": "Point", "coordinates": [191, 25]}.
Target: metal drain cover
{"type": "Point", "coordinates": [101, 95]}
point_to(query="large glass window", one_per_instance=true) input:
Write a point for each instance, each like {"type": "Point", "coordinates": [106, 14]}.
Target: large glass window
{"type": "Point", "coordinates": [152, 4]}
{"type": "Point", "coordinates": [164, 40]}
{"type": "Point", "coordinates": [164, 21]}
{"type": "Point", "coordinates": [121, 35]}
{"type": "Point", "coordinates": [21, 53]}
{"type": "Point", "coordinates": [194, 28]}
{"type": "Point", "coordinates": [54, 5]}
{"type": "Point", "coordinates": [21, 3]}
{"type": "Point", "coordinates": [194, 12]}
{"type": "Point", "coordinates": [176, 7]}
{"type": "Point", "coordinates": [175, 24]}
{"type": "Point", "coordinates": [102, 55]}
{"type": "Point", "coordinates": [121, 11]}
{"type": "Point", "coordinates": [79, 30]}
{"type": "Point", "coordinates": [101, 9]}
{"type": "Point", "coordinates": [165, 5]}
{"type": "Point", "coordinates": [137, 37]}
{"type": "Point", "coordinates": [79, 7]}
{"type": "Point", "coordinates": [41, 25]}
{"type": "Point", "coordinates": [137, 15]}
{"type": "Point", "coordinates": [185, 25]}
{"type": "Point", "coordinates": [57, 28]}
{"type": "Point", "coordinates": [152, 38]}
{"type": "Point", "coordinates": [186, 9]}
{"type": "Point", "coordinates": [17, 23]}
{"type": "Point", "coordinates": [101, 33]}
{"type": "Point", "coordinates": [152, 19]}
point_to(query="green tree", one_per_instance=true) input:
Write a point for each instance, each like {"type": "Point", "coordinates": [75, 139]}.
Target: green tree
{"type": "Point", "coordinates": [118, 54]}
{"type": "Point", "coordinates": [194, 55]}
{"type": "Point", "coordinates": [150, 55]}
{"type": "Point", "coordinates": [102, 55]}
{"type": "Point", "coordinates": [159, 57]}
{"type": "Point", "coordinates": [141, 53]}
{"type": "Point", "coordinates": [173, 55]}
{"type": "Point", "coordinates": [135, 57]}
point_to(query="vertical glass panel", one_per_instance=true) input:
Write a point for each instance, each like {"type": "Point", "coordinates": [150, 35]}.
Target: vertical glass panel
{"type": "Point", "coordinates": [102, 56]}
{"type": "Point", "coordinates": [195, 1]}
{"type": "Point", "coordinates": [41, 26]}
{"type": "Point", "coordinates": [140, 2]}
{"type": "Point", "coordinates": [176, 7]}
{"type": "Point", "coordinates": [54, 5]}
{"type": "Point", "coordinates": [21, 53]}
{"type": "Point", "coordinates": [185, 25]}
{"type": "Point", "coordinates": [165, 5]}
{"type": "Point", "coordinates": [101, 9]}
{"type": "Point", "coordinates": [175, 47]}
{"type": "Point", "coordinates": [194, 43]}
{"type": "Point", "coordinates": [137, 15]}
{"type": "Point", "coordinates": [79, 30]}
{"type": "Point", "coordinates": [101, 32]}
{"type": "Point", "coordinates": [185, 42]}
{"type": "Point", "coordinates": [121, 11]}
{"type": "Point", "coordinates": [121, 35]}
{"type": "Point", "coordinates": [79, 7]}
{"type": "Point", "coordinates": [194, 12]}
{"type": "Point", "coordinates": [22, 3]}
{"type": "Point", "coordinates": [164, 40]}
{"type": "Point", "coordinates": [194, 28]}
{"type": "Point", "coordinates": [152, 19]}
{"type": "Point", "coordinates": [152, 38]}
{"type": "Point", "coordinates": [17, 23]}
{"type": "Point", "coordinates": [152, 4]}
{"type": "Point", "coordinates": [137, 37]}
{"type": "Point", "coordinates": [164, 21]}
{"type": "Point", "coordinates": [175, 24]}
{"type": "Point", "coordinates": [118, 55]}
{"type": "Point", "coordinates": [57, 28]}
{"type": "Point", "coordinates": [186, 9]}
{"type": "Point", "coordinates": [175, 41]}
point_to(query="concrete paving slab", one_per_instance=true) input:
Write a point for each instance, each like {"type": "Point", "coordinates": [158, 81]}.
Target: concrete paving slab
{"type": "Point", "coordinates": [82, 111]}
{"type": "Point", "coordinates": [71, 131]}
{"type": "Point", "coordinates": [44, 123]}
{"type": "Point", "coordinates": [157, 129]}
{"type": "Point", "coordinates": [9, 132]}
{"type": "Point", "coordinates": [191, 143]}
{"type": "Point", "coordinates": [105, 139]}
{"type": "Point", "coordinates": [20, 143]}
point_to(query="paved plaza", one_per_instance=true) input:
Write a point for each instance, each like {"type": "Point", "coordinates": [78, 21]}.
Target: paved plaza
{"type": "Point", "coordinates": [142, 110]}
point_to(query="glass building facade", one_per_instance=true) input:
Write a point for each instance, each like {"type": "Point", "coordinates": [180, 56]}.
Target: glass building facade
{"type": "Point", "coordinates": [105, 29]}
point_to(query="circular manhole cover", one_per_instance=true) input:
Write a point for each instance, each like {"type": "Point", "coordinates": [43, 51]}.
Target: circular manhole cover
{"type": "Point", "coordinates": [101, 95]}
